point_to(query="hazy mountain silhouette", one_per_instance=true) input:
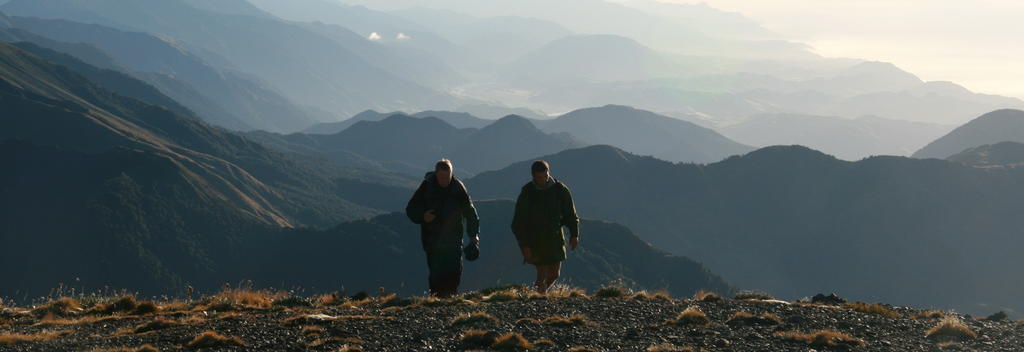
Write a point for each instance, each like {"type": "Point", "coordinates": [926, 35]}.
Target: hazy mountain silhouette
{"type": "Point", "coordinates": [456, 119]}
{"type": "Point", "coordinates": [222, 97]}
{"type": "Point", "coordinates": [1003, 154]}
{"type": "Point", "coordinates": [411, 145]}
{"type": "Point", "coordinates": [794, 221]}
{"type": "Point", "coordinates": [998, 126]}
{"type": "Point", "coordinates": [848, 139]}
{"type": "Point", "coordinates": [645, 133]}
{"type": "Point", "coordinates": [494, 112]}
{"type": "Point", "coordinates": [308, 68]}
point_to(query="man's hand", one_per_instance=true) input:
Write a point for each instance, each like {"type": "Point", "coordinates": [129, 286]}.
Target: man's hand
{"type": "Point", "coordinates": [429, 216]}
{"type": "Point", "coordinates": [526, 253]}
{"type": "Point", "coordinates": [574, 242]}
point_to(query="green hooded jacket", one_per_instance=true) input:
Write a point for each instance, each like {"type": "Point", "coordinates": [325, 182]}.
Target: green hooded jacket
{"type": "Point", "coordinates": [540, 214]}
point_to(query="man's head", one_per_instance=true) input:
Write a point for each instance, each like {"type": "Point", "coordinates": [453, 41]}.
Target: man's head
{"type": "Point", "coordinates": [443, 171]}
{"type": "Point", "coordinates": [541, 171]}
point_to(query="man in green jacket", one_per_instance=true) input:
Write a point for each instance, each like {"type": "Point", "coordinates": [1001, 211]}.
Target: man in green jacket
{"type": "Point", "coordinates": [439, 206]}
{"type": "Point", "coordinates": [545, 206]}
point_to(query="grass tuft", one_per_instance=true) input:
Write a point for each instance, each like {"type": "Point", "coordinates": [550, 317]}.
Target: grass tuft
{"type": "Point", "coordinates": [705, 296]}
{"type": "Point", "coordinates": [951, 328]}
{"type": "Point", "coordinates": [929, 314]}
{"type": "Point", "coordinates": [10, 339]}
{"type": "Point", "coordinates": [691, 316]}
{"type": "Point", "coordinates": [612, 292]}
{"type": "Point", "coordinates": [543, 343]}
{"type": "Point", "coordinates": [62, 307]}
{"type": "Point", "coordinates": [479, 338]}
{"type": "Point", "coordinates": [572, 321]}
{"type": "Point", "coordinates": [211, 339]}
{"type": "Point", "coordinates": [473, 318]}
{"type": "Point", "coordinates": [512, 342]}
{"type": "Point", "coordinates": [822, 338]}
{"type": "Point", "coordinates": [157, 324]}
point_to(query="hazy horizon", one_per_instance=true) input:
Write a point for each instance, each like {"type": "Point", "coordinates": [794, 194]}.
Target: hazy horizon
{"type": "Point", "coordinates": [936, 40]}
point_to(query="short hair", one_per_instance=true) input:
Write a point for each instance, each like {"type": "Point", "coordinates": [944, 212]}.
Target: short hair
{"type": "Point", "coordinates": [443, 164]}
{"type": "Point", "coordinates": [540, 166]}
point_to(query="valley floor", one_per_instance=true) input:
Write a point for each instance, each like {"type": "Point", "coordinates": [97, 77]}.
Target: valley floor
{"type": "Point", "coordinates": [510, 319]}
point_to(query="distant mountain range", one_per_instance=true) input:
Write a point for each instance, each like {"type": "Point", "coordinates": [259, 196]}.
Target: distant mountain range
{"type": "Point", "coordinates": [220, 96]}
{"type": "Point", "coordinates": [791, 220]}
{"type": "Point", "coordinates": [848, 139]}
{"type": "Point", "coordinates": [308, 67]}
{"type": "Point", "coordinates": [645, 133]}
{"type": "Point", "coordinates": [410, 144]}
{"type": "Point", "coordinates": [998, 126]}
{"type": "Point", "coordinates": [638, 131]}
{"type": "Point", "coordinates": [1003, 154]}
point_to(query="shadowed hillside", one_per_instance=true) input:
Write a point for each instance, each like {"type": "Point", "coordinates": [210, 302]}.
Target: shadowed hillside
{"type": "Point", "coordinates": [792, 220]}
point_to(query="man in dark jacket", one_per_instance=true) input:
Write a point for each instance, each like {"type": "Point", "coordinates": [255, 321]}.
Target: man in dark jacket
{"type": "Point", "coordinates": [545, 206]}
{"type": "Point", "coordinates": [440, 205]}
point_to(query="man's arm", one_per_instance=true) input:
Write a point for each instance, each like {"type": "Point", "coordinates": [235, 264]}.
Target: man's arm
{"type": "Point", "coordinates": [569, 217]}
{"type": "Point", "coordinates": [469, 212]}
{"type": "Point", "coordinates": [519, 221]}
{"type": "Point", "coordinates": [417, 205]}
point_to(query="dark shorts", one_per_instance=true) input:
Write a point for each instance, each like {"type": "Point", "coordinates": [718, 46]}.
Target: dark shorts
{"type": "Point", "coordinates": [548, 250]}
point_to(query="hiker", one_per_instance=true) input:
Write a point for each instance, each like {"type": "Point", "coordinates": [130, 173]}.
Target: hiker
{"type": "Point", "coordinates": [544, 206]}
{"type": "Point", "coordinates": [439, 206]}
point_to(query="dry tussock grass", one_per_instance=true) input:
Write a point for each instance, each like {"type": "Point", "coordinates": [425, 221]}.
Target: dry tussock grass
{"type": "Point", "coordinates": [211, 339]}
{"type": "Point", "coordinates": [705, 296]}
{"type": "Point", "coordinates": [821, 338]}
{"type": "Point", "coordinates": [473, 318]}
{"type": "Point", "coordinates": [951, 328]}
{"type": "Point", "coordinates": [512, 342]}
{"type": "Point", "coordinates": [10, 339]}
{"type": "Point", "coordinates": [691, 316]}
{"type": "Point", "coordinates": [572, 321]}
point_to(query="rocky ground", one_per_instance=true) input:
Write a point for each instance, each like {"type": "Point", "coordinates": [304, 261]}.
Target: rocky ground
{"type": "Point", "coordinates": [510, 319]}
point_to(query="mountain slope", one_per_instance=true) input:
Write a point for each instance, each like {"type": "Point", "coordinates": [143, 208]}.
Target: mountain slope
{"type": "Point", "coordinates": [1003, 154]}
{"type": "Point", "coordinates": [164, 197]}
{"type": "Point", "coordinates": [998, 126]}
{"type": "Point", "coordinates": [791, 220]}
{"type": "Point", "coordinates": [848, 139]}
{"type": "Point", "coordinates": [220, 96]}
{"type": "Point", "coordinates": [645, 133]}
{"type": "Point", "coordinates": [308, 68]}
{"type": "Point", "coordinates": [408, 144]}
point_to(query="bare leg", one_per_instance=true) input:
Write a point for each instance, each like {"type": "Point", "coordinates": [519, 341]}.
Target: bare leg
{"type": "Point", "coordinates": [546, 276]}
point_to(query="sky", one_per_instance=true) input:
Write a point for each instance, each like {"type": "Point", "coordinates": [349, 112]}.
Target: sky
{"type": "Point", "coordinates": [978, 43]}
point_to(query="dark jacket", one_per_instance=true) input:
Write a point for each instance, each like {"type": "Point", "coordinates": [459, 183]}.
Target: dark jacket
{"type": "Point", "coordinates": [542, 212]}
{"type": "Point", "coordinates": [451, 206]}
